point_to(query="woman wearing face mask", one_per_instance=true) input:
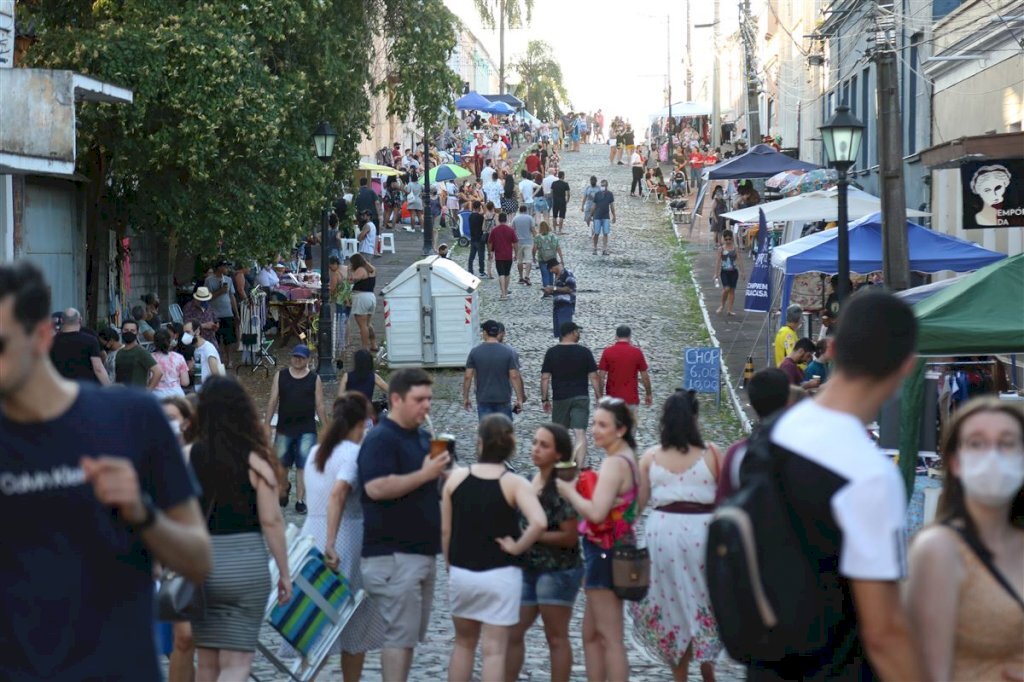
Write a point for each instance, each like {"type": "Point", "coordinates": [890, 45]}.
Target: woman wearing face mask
{"type": "Point", "coordinates": [175, 369]}
{"type": "Point", "coordinates": [966, 591]}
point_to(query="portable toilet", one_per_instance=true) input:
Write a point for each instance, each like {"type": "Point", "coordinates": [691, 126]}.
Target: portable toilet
{"type": "Point", "coordinates": [431, 314]}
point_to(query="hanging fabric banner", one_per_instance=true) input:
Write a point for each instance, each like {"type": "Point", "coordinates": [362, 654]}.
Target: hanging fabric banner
{"type": "Point", "coordinates": [758, 296]}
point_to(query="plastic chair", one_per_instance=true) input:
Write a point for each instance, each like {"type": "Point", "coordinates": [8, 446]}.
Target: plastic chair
{"type": "Point", "coordinates": [349, 247]}
{"type": "Point", "coordinates": [387, 242]}
{"type": "Point", "coordinates": [176, 315]}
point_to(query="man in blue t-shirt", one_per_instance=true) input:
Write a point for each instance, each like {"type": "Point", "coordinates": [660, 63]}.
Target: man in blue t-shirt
{"type": "Point", "coordinates": [401, 518]}
{"type": "Point", "coordinates": [93, 487]}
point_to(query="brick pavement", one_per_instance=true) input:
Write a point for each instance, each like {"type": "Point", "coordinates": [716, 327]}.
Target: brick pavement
{"type": "Point", "coordinates": [638, 284]}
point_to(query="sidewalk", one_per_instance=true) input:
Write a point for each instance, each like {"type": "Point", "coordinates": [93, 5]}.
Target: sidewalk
{"type": "Point", "coordinates": [741, 335]}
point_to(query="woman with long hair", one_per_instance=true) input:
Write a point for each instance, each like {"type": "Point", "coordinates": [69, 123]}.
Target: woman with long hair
{"type": "Point", "coordinates": [679, 478]}
{"type": "Point", "coordinates": [363, 378]}
{"type": "Point", "coordinates": [552, 568]}
{"type": "Point", "coordinates": [335, 520]}
{"type": "Point", "coordinates": [175, 370]}
{"type": "Point", "coordinates": [364, 301]}
{"type": "Point", "coordinates": [966, 596]}
{"type": "Point", "coordinates": [608, 519]}
{"type": "Point", "coordinates": [727, 265]}
{"type": "Point", "coordinates": [235, 467]}
{"type": "Point", "coordinates": [509, 203]}
{"type": "Point", "coordinates": [481, 538]}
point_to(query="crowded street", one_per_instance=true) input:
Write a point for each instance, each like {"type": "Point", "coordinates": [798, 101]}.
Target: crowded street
{"type": "Point", "coordinates": [512, 341]}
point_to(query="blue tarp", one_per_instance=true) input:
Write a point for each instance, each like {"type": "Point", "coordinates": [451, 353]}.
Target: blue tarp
{"type": "Point", "coordinates": [762, 161]}
{"type": "Point", "coordinates": [929, 251]}
{"type": "Point", "coordinates": [472, 100]}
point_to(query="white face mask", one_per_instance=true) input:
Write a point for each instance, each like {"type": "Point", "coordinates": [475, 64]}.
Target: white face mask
{"type": "Point", "coordinates": [991, 477]}
{"type": "Point", "coordinates": [175, 427]}
{"type": "Point", "coordinates": [187, 339]}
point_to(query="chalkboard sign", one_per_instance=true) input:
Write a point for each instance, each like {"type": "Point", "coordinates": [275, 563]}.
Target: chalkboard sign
{"type": "Point", "coordinates": [702, 369]}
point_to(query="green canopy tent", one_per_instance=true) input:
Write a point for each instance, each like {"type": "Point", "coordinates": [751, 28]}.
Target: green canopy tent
{"type": "Point", "coordinates": [982, 314]}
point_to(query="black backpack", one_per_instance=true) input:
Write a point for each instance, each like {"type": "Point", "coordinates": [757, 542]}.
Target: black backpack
{"type": "Point", "coordinates": [773, 596]}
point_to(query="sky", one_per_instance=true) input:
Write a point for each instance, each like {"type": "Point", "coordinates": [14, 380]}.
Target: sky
{"type": "Point", "coordinates": [612, 57]}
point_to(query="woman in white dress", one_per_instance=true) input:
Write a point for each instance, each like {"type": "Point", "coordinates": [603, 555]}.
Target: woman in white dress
{"type": "Point", "coordinates": [335, 520]}
{"type": "Point", "coordinates": [678, 479]}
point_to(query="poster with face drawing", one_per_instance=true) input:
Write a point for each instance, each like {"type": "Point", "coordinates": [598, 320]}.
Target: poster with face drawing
{"type": "Point", "coordinates": [993, 193]}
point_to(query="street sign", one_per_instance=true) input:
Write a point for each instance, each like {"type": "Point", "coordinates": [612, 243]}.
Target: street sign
{"type": "Point", "coordinates": [702, 370]}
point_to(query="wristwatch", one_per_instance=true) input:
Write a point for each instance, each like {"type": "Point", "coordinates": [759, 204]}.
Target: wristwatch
{"type": "Point", "coordinates": [150, 518]}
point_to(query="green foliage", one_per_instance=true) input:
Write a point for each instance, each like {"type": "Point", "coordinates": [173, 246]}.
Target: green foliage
{"type": "Point", "coordinates": [540, 81]}
{"type": "Point", "coordinates": [514, 10]}
{"type": "Point", "coordinates": [216, 148]}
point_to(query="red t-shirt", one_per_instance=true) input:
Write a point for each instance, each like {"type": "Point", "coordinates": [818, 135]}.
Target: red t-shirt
{"type": "Point", "coordinates": [502, 240]}
{"type": "Point", "coordinates": [622, 361]}
{"type": "Point", "coordinates": [792, 370]}
{"type": "Point", "coordinates": [532, 163]}
{"type": "Point", "coordinates": [696, 160]}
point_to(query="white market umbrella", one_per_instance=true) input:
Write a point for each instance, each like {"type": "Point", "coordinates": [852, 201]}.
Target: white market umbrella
{"type": "Point", "coordinates": [813, 206]}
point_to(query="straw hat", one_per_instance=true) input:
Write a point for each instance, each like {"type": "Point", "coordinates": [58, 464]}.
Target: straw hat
{"type": "Point", "coordinates": [202, 294]}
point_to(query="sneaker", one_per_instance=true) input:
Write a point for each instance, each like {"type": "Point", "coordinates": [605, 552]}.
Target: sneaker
{"type": "Point", "coordinates": [300, 507]}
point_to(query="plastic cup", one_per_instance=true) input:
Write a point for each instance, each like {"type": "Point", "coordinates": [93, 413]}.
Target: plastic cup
{"type": "Point", "coordinates": [566, 471]}
{"type": "Point", "coordinates": [442, 443]}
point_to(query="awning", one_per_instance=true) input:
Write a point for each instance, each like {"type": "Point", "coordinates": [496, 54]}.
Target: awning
{"type": "Point", "coordinates": [472, 101]}
{"type": "Point", "coordinates": [762, 161]}
{"type": "Point", "coordinates": [820, 205]}
{"type": "Point", "coordinates": [951, 154]}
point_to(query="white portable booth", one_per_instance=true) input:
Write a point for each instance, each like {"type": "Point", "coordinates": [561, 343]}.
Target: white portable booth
{"type": "Point", "coordinates": [431, 315]}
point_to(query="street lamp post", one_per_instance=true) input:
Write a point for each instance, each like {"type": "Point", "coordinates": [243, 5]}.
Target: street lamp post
{"type": "Point", "coordinates": [428, 216]}
{"type": "Point", "coordinates": [323, 140]}
{"type": "Point", "coordinates": [841, 136]}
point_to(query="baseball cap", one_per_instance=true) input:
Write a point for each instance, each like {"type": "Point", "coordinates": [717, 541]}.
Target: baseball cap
{"type": "Point", "coordinates": [300, 351]}
{"type": "Point", "coordinates": [222, 262]}
{"type": "Point", "coordinates": [568, 328]}
{"type": "Point", "coordinates": [491, 327]}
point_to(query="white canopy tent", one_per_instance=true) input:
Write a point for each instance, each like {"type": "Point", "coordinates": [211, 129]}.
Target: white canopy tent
{"type": "Point", "coordinates": [813, 206]}
{"type": "Point", "coordinates": [684, 109]}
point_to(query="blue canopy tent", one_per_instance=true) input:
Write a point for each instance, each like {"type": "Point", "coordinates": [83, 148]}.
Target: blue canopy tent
{"type": "Point", "coordinates": [762, 161]}
{"type": "Point", "coordinates": [510, 100]}
{"type": "Point", "coordinates": [499, 108]}
{"type": "Point", "coordinates": [472, 101]}
{"type": "Point", "coordinates": [929, 251]}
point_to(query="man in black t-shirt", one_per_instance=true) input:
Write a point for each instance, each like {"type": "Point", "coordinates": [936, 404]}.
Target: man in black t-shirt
{"type": "Point", "coordinates": [559, 201]}
{"type": "Point", "coordinates": [567, 368]}
{"type": "Point", "coordinates": [366, 200]}
{"type": "Point", "coordinates": [476, 238]}
{"type": "Point", "coordinates": [76, 353]}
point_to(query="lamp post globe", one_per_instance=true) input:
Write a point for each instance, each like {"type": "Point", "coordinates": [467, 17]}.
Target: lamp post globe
{"type": "Point", "coordinates": [841, 136]}
{"type": "Point", "coordinates": [323, 141]}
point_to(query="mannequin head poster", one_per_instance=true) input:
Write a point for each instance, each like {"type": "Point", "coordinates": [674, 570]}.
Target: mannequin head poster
{"type": "Point", "coordinates": [993, 193]}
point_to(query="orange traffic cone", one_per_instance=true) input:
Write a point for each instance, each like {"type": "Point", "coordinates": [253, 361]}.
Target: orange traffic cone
{"type": "Point", "coordinates": [748, 371]}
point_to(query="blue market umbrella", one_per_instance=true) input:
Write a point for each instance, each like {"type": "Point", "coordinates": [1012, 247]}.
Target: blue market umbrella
{"type": "Point", "coordinates": [472, 101]}
{"type": "Point", "coordinates": [499, 108]}
{"type": "Point", "coordinates": [448, 171]}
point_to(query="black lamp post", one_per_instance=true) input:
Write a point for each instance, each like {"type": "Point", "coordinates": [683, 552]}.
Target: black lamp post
{"type": "Point", "coordinates": [323, 139]}
{"type": "Point", "coordinates": [841, 136]}
{"type": "Point", "coordinates": [428, 215]}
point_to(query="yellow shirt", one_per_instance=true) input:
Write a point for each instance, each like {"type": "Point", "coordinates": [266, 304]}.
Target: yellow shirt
{"type": "Point", "coordinates": [785, 341]}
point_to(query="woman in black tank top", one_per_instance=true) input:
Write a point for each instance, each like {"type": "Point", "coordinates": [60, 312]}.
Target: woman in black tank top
{"type": "Point", "coordinates": [481, 541]}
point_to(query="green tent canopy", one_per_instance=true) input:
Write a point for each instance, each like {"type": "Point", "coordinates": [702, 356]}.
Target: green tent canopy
{"type": "Point", "coordinates": [983, 314]}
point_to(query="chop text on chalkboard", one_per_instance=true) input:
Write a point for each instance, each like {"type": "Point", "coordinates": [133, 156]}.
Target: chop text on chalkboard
{"type": "Point", "coordinates": [702, 370]}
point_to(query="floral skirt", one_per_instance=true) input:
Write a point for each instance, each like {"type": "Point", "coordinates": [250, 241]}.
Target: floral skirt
{"type": "Point", "coordinates": [676, 613]}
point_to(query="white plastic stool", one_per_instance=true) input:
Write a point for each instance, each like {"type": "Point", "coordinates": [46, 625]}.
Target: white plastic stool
{"type": "Point", "coordinates": [349, 247]}
{"type": "Point", "coordinates": [387, 242]}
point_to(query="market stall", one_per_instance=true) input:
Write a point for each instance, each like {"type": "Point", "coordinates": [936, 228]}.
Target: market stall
{"type": "Point", "coordinates": [979, 315]}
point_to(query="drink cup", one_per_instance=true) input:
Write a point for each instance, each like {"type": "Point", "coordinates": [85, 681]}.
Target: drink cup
{"type": "Point", "coordinates": [816, 377]}
{"type": "Point", "coordinates": [566, 471]}
{"type": "Point", "coordinates": [441, 443]}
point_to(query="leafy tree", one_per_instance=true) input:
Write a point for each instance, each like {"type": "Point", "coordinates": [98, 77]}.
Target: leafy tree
{"type": "Point", "coordinates": [215, 152]}
{"type": "Point", "coordinates": [507, 13]}
{"type": "Point", "coordinates": [540, 81]}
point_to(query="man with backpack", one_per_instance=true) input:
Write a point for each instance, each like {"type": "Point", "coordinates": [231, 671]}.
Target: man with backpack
{"type": "Point", "coordinates": [804, 561]}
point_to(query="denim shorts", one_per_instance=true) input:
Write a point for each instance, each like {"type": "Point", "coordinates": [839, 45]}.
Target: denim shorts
{"type": "Point", "coordinates": [551, 588]}
{"type": "Point", "coordinates": [598, 562]}
{"type": "Point", "coordinates": [294, 449]}
{"type": "Point", "coordinates": [602, 226]}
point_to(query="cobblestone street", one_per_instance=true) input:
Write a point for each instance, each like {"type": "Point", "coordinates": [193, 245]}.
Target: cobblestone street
{"type": "Point", "coordinates": [644, 283]}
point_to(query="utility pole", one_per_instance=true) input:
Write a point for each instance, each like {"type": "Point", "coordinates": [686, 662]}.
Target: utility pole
{"type": "Point", "coordinates": [895, 253]}
{"type": "Point", "coordinates": [668, 58]}
{"type": "Point", "coordinates": [501, 48]}
{"type": "Point", "coordinates": [689, 57]}
{"type": "Point", "coordinates": [716, 113]}
{"type": "Point", "coordinates": [748, 29]}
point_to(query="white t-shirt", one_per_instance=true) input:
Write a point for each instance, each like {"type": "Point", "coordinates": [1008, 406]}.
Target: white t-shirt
{"type": "Point", "coordinates": [495, 150]}
{"type": "Point", "coordinates": [493, 190]}
{"type": "Point", "coordinates": [368, 244]}
{"type": "Point", "coordinates": [547, 182]}
{"type": "Point", "coordinates": [526, 190]}
{"type": "Point", "coordinates": [201, 358]}
{"type": "Point", "coordinates": [636, 159]}
{"type": "Point", "coordinates": [861, 487]}
{"type": "Point", "coordinates": [267, 278]}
